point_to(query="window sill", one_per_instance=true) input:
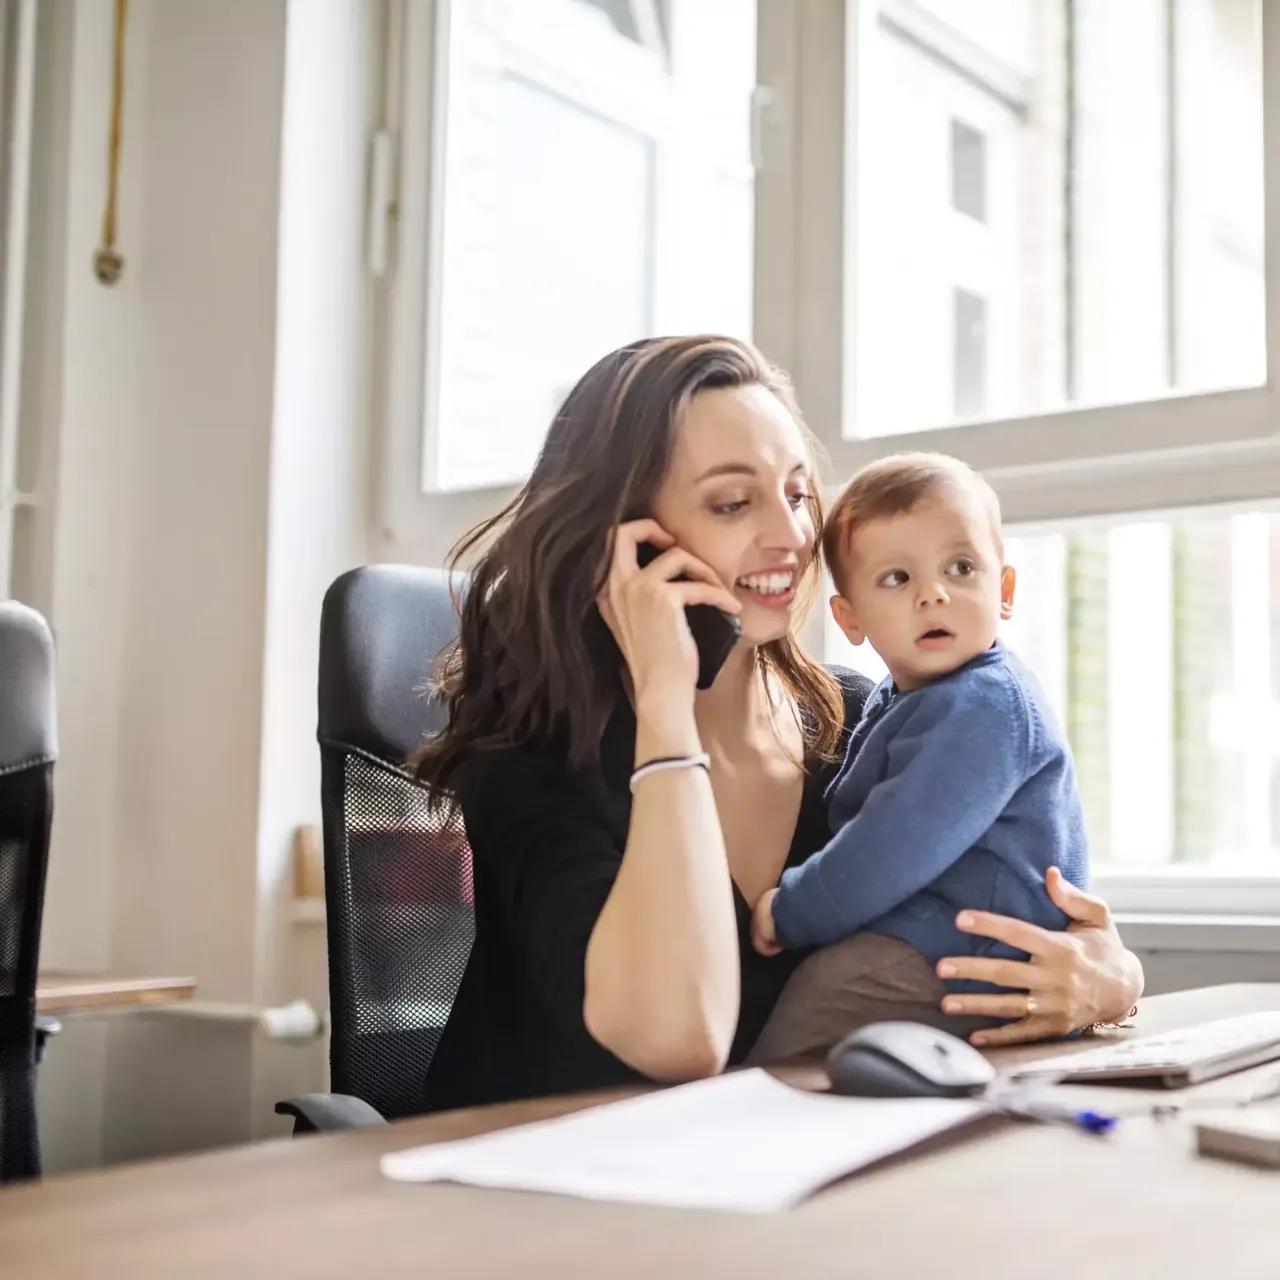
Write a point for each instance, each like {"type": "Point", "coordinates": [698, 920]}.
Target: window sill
{"type": "Point", "coordinates": [1166, 931]}
{"type": "Point", "coordinates": [1194, 893]}
{"type": "Point", "coordinates": [1141, 930]}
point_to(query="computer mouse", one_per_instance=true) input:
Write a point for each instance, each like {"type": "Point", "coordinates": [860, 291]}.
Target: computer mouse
{"type": "Point", "coordinates": [906, 1060]}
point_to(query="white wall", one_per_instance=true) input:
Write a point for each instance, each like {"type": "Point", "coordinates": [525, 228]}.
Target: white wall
{"type": "Point", "coordinates": [193, 675]}
{"type": "Point", "coordinates": [210, 432]}
{"type": "Point", "coordinates": [79, 398]}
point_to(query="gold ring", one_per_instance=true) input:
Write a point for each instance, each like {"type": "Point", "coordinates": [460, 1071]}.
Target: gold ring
{"type": "Point", "coordinates": [1031, 1006]}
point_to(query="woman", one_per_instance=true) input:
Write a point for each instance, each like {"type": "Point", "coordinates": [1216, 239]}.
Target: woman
{"type": "Point", "coordinates": [613, 908]}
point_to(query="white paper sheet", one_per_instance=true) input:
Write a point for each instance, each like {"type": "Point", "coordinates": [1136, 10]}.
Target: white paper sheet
{"type": "Point", "coordinates": [743, 1142]}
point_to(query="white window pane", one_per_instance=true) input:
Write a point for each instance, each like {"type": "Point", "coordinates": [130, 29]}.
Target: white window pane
{"type": "Point", "coordinates": [547, 268]}
{"type": "Point", "coordinates": [595, 190]}
{"type": "Point", "coordinates": [1158, 644]}
{"type": "Point", "coordinates": [1114, 232]}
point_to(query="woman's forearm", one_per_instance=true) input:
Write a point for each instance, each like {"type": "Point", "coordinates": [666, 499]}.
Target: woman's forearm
{"type": "Point", "coordinates": [662, 966]}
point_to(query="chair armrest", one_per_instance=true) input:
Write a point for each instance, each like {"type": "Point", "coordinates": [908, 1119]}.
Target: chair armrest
{"type": "Point", "coordinates": [45, 1028]}
{"type": "Point", "coordinates": [328, 1112]}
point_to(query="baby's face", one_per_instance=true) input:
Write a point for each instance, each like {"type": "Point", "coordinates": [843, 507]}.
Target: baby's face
{"type": "Point", "coordinates": [926, 588]}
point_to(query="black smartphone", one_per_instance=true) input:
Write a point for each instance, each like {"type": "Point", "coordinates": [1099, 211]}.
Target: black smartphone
{"type": "Point", "coordinates": [714, 631]}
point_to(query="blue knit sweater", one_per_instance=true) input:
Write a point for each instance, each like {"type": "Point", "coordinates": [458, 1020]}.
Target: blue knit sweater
{"type": "Point", "coordinates": [958, 794]}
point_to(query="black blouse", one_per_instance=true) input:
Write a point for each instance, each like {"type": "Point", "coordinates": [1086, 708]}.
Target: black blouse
{"type": "Point", "coordinates": [546, 845]}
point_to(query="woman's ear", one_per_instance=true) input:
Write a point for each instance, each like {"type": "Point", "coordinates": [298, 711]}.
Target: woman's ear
{"type": "Point", "coordinates": [1008, 584]}
{"type": "Point", "coordinates": [842, 612]}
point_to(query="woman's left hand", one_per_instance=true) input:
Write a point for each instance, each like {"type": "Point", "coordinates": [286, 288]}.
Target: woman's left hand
{"type": "Point", "coordinates": [1071, 980]}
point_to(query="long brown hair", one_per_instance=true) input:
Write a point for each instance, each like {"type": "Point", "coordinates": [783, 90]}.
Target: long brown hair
{"type": "Point", "coordinates": [534, 661]}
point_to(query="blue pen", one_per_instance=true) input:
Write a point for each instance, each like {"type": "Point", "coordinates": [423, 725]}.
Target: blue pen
{"type": "Point", "coordinates": [1016, 1102]}
{"type": "Point", "coordinates": [1088, 1121]}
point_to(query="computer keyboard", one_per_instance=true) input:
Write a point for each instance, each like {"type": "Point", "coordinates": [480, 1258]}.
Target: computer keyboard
{"type": "Point", "coordinates": [1172, 1058]}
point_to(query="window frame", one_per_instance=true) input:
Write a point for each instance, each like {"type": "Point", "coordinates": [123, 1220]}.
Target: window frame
{"type": "Point", "coordinates": [414, 516]}
{"type": "Point", "coordinates": [1053, 455]}
{"type": "Point", "coordinates": [1214, 450]}
{"type": "Point", "coordinates": [18, 74]}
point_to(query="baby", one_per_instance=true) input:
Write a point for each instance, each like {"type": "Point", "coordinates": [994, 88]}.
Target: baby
{"type": "Point", "coordinates": [957, 789]}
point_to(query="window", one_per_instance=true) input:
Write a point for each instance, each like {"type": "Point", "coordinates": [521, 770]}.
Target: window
{"type": "Point", "coordinates": [968, 171]}
{"type": "Point", "coordinates": [1027, 232]}
{"type": "Point", "coordinates": [969, 369]}
{"type": "Point", "coordinates": [1108, 158]}
{"type": "Point", "coordinates": [1158, 642]}
{"type": "Point", "coordinates": [22, 46]}
{"type": "Point", "coordinates": [1094, 336]}
{"type": "Point", "coordinates": [595, 185]}
{"type": "Point", "coordinates": [619, 13]}
{"type": "Point", "coordinates": [643, 21]}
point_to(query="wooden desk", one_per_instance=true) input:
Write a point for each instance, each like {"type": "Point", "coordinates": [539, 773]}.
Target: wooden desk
{"type": "Point", "coordinates": [84, 993]}
{"type": "Point", "coordinates": [1016, 1202]}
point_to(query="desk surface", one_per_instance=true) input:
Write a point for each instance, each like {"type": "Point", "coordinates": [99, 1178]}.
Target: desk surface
{"type": "Point", "coordinates": [1015, 1201]}
{"type": "Point", "coordinates": [85, 992]}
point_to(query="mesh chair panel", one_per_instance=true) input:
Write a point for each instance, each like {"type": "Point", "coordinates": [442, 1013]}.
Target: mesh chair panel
{"type": "Point", "coordinates": [19, 1136]}
{"type": "Point", "coordinates": [15, 872]}
{"type": "Point", "coordinates": [26, 805]}
{"type": "Point", "coordinates": [398, 889]}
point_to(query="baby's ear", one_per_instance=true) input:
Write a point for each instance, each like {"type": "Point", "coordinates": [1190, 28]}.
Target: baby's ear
{"type": "Point", "coordinates": [1008, 585]}
{"type": "Point", "coordinates": [842, 612]}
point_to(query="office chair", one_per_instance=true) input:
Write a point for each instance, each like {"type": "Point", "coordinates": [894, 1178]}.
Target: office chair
{"type": "Point", "coordinates": [28, 748]}
{"type": "Point", "coordinates": [397, 880]}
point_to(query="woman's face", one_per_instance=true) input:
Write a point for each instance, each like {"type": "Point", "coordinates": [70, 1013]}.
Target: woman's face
{"type": "Point", "coordinates": [736, 496]}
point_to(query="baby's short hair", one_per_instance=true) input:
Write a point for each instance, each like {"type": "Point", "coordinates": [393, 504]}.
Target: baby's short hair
{"type": "Point", "coordinates": [893, 486]}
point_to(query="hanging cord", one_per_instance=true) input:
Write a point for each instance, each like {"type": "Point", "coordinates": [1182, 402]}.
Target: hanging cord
{"type": "Point", "coordinates": [107, 262]}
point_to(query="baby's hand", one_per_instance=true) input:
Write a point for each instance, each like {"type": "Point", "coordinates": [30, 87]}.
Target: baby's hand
{"type": "Point", "coordinates": [763, 937]}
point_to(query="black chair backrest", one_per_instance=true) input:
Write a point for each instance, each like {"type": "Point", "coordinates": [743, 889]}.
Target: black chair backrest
{"type": "Point", "coordinates": [397, 879]}
{"type": "Point", "coordinates": [28, 748]}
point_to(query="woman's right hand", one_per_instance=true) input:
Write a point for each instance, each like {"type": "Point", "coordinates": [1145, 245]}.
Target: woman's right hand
{"type": "Point", "coordinates": [644, 608]}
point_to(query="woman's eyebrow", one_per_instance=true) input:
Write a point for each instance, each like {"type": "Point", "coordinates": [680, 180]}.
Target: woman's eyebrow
{"type": "Point", "coordinates": [740, 469]}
